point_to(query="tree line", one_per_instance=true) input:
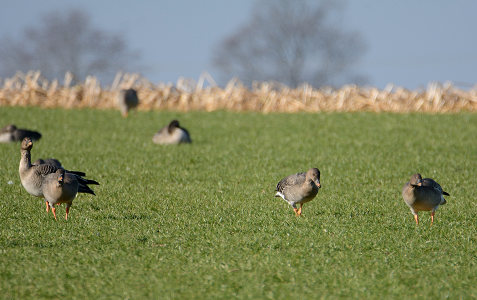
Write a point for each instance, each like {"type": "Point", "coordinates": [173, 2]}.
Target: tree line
{"type": "Point", "coordinates": [285, 41]}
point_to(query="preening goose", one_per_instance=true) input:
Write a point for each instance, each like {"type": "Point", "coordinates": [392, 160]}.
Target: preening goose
{"type": "Point", "coordinates": [423, 195]}
{"type": "Point", "coordinates": [60, 187]}
{"type": "Point", "coordinates": [172, 134]}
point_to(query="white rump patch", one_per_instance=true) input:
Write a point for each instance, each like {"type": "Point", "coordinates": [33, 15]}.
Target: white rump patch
{"type": "Point", "coordinates": [443, 200]}
{"type": "Point", "coordinates": [5, 137]}
{"type": "Point", "coordinates": [281, 195]}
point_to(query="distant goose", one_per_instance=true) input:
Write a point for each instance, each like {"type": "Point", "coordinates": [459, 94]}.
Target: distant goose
{"type": "Point", "coordinates": [11, 133]}
{"type": "Point", "coordinates": [57, 164]}
{"type": "Point", "coordinates": [299, 188]}
{"type": "Point", "coordinates": [423, 195]}
{"type": "Point", "coordinates": [32, 176]}
{"type": "Point", "coordinates": [127, 100]}
{"type": "Point", "coordinates": [172, 134]}
{"type": "Point", "coordinates": [60, 187]}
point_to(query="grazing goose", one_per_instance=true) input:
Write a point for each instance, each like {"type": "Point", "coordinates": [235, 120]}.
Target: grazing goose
{"type": "Point", "coordinates": [127, 100]}
{"type": "Point", "coordinates": [423, 194]}
{"type": "Point", "coordinates": [299, 188]}
{"type": "Point", "coordinates": [11, 133]}
{"type": "Point", "coordinates": [172, 134]}
{"type": "Point", "coordinates": [32, 176]}
{"type": "Point", "coordinates": [60, 187]}
{"type": "Point", "coordinates": [57, 164]}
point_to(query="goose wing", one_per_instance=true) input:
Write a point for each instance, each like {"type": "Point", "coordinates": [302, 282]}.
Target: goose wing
{"type": "Point", "coordinates": [292, 180]}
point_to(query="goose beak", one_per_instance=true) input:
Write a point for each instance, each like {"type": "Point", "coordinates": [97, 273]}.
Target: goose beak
{"type": "Point", "coordinates": [318, 184]}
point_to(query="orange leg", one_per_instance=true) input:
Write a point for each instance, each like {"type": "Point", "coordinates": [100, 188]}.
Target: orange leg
{"type": "Point", "coordinates": [47, 206]}
{"type": "Point", "coordinates": [67, 212]}
{"type": "Point", "coordinates": [299, 210]}
{"type": "Point", "coordinates": [296, 211]}
{"type": "Point", "coordinates": [416, 218]}
{"type": "Point", "coordinates": [432, 217]}
{"type": "Point", "coordinates": [53, 209]}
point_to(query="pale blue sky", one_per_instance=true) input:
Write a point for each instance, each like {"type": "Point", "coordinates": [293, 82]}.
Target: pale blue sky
{"type": "Point", "coordinates": [409, 43]}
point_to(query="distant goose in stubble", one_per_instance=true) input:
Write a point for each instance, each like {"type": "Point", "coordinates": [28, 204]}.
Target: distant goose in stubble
{"type": "Point", "coordinates": [299, 188]}
{"type": "Point", "coordinates": [11, 133]}
{"type": "Point", "coordinates": [127, 100]}
{"type": "Point", "coordinates": [172, 134]}
{"type": "Point", "coordinates": [423, 195]}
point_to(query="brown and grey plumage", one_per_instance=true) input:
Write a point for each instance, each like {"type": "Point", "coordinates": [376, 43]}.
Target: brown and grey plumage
{"type": "Point", "coordinates": [172, 134]}
{"type": "Point", "coordinates": [11, 133]}
{"type": "Point", "coordinates": [299, 188]}
{"type": "Point", "coordinates": [423, 195]}
{"type": "Point", "coordinates": [49, 161]}
{"type": "Point", "coordinates": [60, 187]}
{"type": "Point", "coordinates": [127, 100]}
{"type": "Point", "coordinates": [56, 163]}
{"type": "Point", "coordinates": [32, 176]}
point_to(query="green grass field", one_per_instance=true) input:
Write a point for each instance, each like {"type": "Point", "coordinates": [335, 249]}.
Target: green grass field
{"type": "Point", "coordinates": [200, 221]}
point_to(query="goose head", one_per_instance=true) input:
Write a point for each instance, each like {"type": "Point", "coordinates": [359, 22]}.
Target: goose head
{"type": "Point", "coordinates": [27, 144]}
{"type": "Point", "coordinates": [416, 180]}
{"type": "Point", "coordinates": [313, 175]}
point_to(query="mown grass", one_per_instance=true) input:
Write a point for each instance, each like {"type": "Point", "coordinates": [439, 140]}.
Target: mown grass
{"type": "Point", "coordinates": [200, 221]}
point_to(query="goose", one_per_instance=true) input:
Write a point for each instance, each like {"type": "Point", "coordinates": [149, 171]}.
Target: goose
{"type": "Point", "coordinates": [60, 187]}
{"type": "Point", "coordinates": [127, 100]}
{"type": "Point", "coordinates": [172, 134]}
{"type": "Point", "coordinates": [11, 133]}
{"type": "Point", "coordinates": [299, 188]}
{"type": "Point", "coordinates": [32, 176]}
{"type": "Point", "coordinates": [423, 195]}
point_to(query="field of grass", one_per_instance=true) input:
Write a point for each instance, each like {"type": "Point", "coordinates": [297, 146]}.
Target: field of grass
{"type": "Point", "coordinates": [200, 221]}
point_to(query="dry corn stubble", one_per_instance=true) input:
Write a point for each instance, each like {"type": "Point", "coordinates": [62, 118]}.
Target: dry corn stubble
{"type": "Point", "coordinates": [31, 89]}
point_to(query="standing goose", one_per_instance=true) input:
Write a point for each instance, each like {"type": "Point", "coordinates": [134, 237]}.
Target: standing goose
{"type": "Point", "coordinates": [299, 188]}
{"type": "Point", "coordinates": [11, 133]}
{"type": "Point", "coordinates": [60, 187]}
{"type": "Point", "coordinates": [127, 100]}
{"type": "Point", "coordinates": [172, 134]}
{"type": "Point", "coordinates": [32, 176]}
{"type": "Point", "coordinates": [423, 194]}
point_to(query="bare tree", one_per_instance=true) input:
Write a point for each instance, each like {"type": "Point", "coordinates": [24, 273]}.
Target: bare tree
{"type": "Point", "coordinates": [66, 42]}
{"type": "Point", "coordinates": [291, 41]}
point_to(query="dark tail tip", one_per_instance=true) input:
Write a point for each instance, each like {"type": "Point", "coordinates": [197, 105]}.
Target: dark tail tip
{"type": "Point", "coordinates": [84, 181]}
{"type": "Point", "coordinates": [445, 193]}
{"type": "Point", "coordinates": [85, 190]}
{"type": "Point", "coordinates": [79, 173]}
{"type": "Point", "coordinates": [91, 181]}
